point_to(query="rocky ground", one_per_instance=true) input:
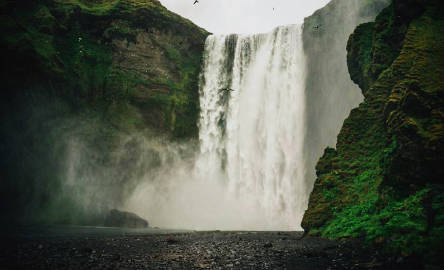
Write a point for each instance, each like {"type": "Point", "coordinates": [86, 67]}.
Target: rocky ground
{"type": "Point", "coordinates": [100, 248]}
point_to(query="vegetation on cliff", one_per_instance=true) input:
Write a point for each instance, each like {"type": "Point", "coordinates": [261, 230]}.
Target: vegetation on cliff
{"type": "Point", "coordinates": [383, 182]}
{"type": "Point", "coordinates": [83, 49]}
{"type": "Point", "coordinates": [329, 99]}
{"type": "Point", "coordinates": [98, 70]}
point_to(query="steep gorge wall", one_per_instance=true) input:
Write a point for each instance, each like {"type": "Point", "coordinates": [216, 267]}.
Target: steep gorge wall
{"type": "Point", "coordinates": [80, 77]}
{"type": "Point", "coordinates": [330, 93]}
{"type": "Point", "coordinates": [383, 181]}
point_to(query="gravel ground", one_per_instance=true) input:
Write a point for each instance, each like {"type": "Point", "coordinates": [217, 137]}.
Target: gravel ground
{"type": "Point", "coordinates": [101, 248]}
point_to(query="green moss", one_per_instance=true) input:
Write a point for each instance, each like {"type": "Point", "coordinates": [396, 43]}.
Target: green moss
{"type": "Point", "coordinates": [359, 58]}
{"type": "Point", "coordinates": [93, 7]}
{"type": "Point", "coordinates": [86, 62]}
{"type": "Point", "coordinates": [384, 181]}
{"type": "Point", "coordinates": [121, 30]}
{"type": "Point", "coordinates": [173, 54]}
{"type": "Point", "coordinates": [65, 76]}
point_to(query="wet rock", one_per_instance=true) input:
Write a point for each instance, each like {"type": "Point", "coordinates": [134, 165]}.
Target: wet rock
{"type": "Point", "coordinates": [86, 250]}
{"type": "Point", "coordinates": [116, 218]}
{"type": "Point", "coordinates": [115, 257]}
{"type": "Point", "coordinates": [268, 245]}
{"type": "Point", "coordinates": [153, 250]}
{"type": "Point", "coordinates": [171, 241]}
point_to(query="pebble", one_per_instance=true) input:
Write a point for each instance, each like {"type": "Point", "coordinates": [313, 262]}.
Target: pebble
{"type": "Point", "coordinates": [215, 250]}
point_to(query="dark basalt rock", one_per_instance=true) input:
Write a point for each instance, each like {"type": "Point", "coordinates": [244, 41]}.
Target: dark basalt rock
{"type": "Point", "coordinates": [116, 218]}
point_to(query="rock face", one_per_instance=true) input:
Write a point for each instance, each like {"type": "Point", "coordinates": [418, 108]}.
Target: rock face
{"type": "Point", "coordinates": [384, 180]}
{"type": "Point", "coordinates": [132, 56]}
{"type": "Point", "coordinates": [95, 70]}
{"type": "Point", "coordinates": [330, 94]}
{"type": "Point", "coordinates": [116, 218]}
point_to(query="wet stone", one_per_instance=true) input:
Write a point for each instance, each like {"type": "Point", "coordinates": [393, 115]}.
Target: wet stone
{"type": "Point", "coordinates": [188, 250]}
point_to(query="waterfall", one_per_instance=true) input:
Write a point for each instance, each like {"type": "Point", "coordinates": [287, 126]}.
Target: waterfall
{"type": "Point", "coordinates": [249, 173]}
{"type": "Point", "coordinates": [251, 130]}
{"type": "Point", "coordinates": [270, 104]}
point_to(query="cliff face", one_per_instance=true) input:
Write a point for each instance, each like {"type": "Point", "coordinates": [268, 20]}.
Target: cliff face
{"type": "Point", "coordinates": [95, 70]}
{"type": "Point", "coordinates": [330, 94]}
{"type": "Point", "coordinates": [384, 179]}
{"type": "Point", "coordinates": [107, 52]}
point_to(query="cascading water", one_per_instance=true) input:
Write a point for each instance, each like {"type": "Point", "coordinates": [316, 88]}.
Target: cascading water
{"type": "Point", "coordinates": [249, 173]}
{"type": "Point", "coordinates": [258, 142]}
{"type": "Point", "coordinates": [252, 124]}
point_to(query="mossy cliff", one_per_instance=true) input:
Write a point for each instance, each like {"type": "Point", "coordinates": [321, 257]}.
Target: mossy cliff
{"type": "Point", "coordinates": [96, 70]}
{"type": "Point", "coordinates": [330, 94]}
{"type": "Point", "coordinates": [383, 182]}
{"type": "Point", "coordinates": [109, 52]}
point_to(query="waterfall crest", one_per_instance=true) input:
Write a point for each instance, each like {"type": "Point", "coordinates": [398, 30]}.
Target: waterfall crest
{"type": "Point", "coordinates": [252, 124]}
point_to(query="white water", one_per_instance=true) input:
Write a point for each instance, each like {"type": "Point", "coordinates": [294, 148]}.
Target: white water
{"type": "Point", "coordinates": [249, 173]}
{"type": "Point", "coordinates": [252, 135]}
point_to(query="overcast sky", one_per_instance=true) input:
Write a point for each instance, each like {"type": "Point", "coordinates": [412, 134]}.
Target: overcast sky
{"type": "Point", "coordinates": [244, 16]}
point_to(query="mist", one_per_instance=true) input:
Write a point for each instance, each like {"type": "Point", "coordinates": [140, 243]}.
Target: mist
{"type": "Point", "coordinates": [196, 185]}
{"type": "Point", "coordinates": [176, 197]}
{"type": "Point", "coordinates": [221, 134]}
{"type": "Point", "coordinates": [209, 202]}
{"type": "Point", "coordinates": [248, 174]}
{"type": "Point", "coordinates": [263, 143]}
{"type": "Point", "coordinates": [155, 178]}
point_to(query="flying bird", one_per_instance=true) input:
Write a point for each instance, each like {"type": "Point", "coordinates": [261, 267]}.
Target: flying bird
{"type": "Point", "coordinates": [225, 89]}
{"type": "Point", "coordinates": [195, 2]}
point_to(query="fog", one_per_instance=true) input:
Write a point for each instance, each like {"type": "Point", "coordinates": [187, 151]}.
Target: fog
{"type": "Point", "coordinates": [153, 177]}
{"type": "Point", "coordinates": [244, 16]}
{"type": "Point", "coordinates": [90, 168]}
{"type": "Point", "coordinates": [182, 199]}
{"type": "Point", "coordinates": [178, 197]}
{"type": "Point", "coordinates": [248, 174]}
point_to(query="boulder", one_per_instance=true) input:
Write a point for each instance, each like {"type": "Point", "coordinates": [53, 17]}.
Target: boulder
{"type": "Point", "coordinates": [116, 218]}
